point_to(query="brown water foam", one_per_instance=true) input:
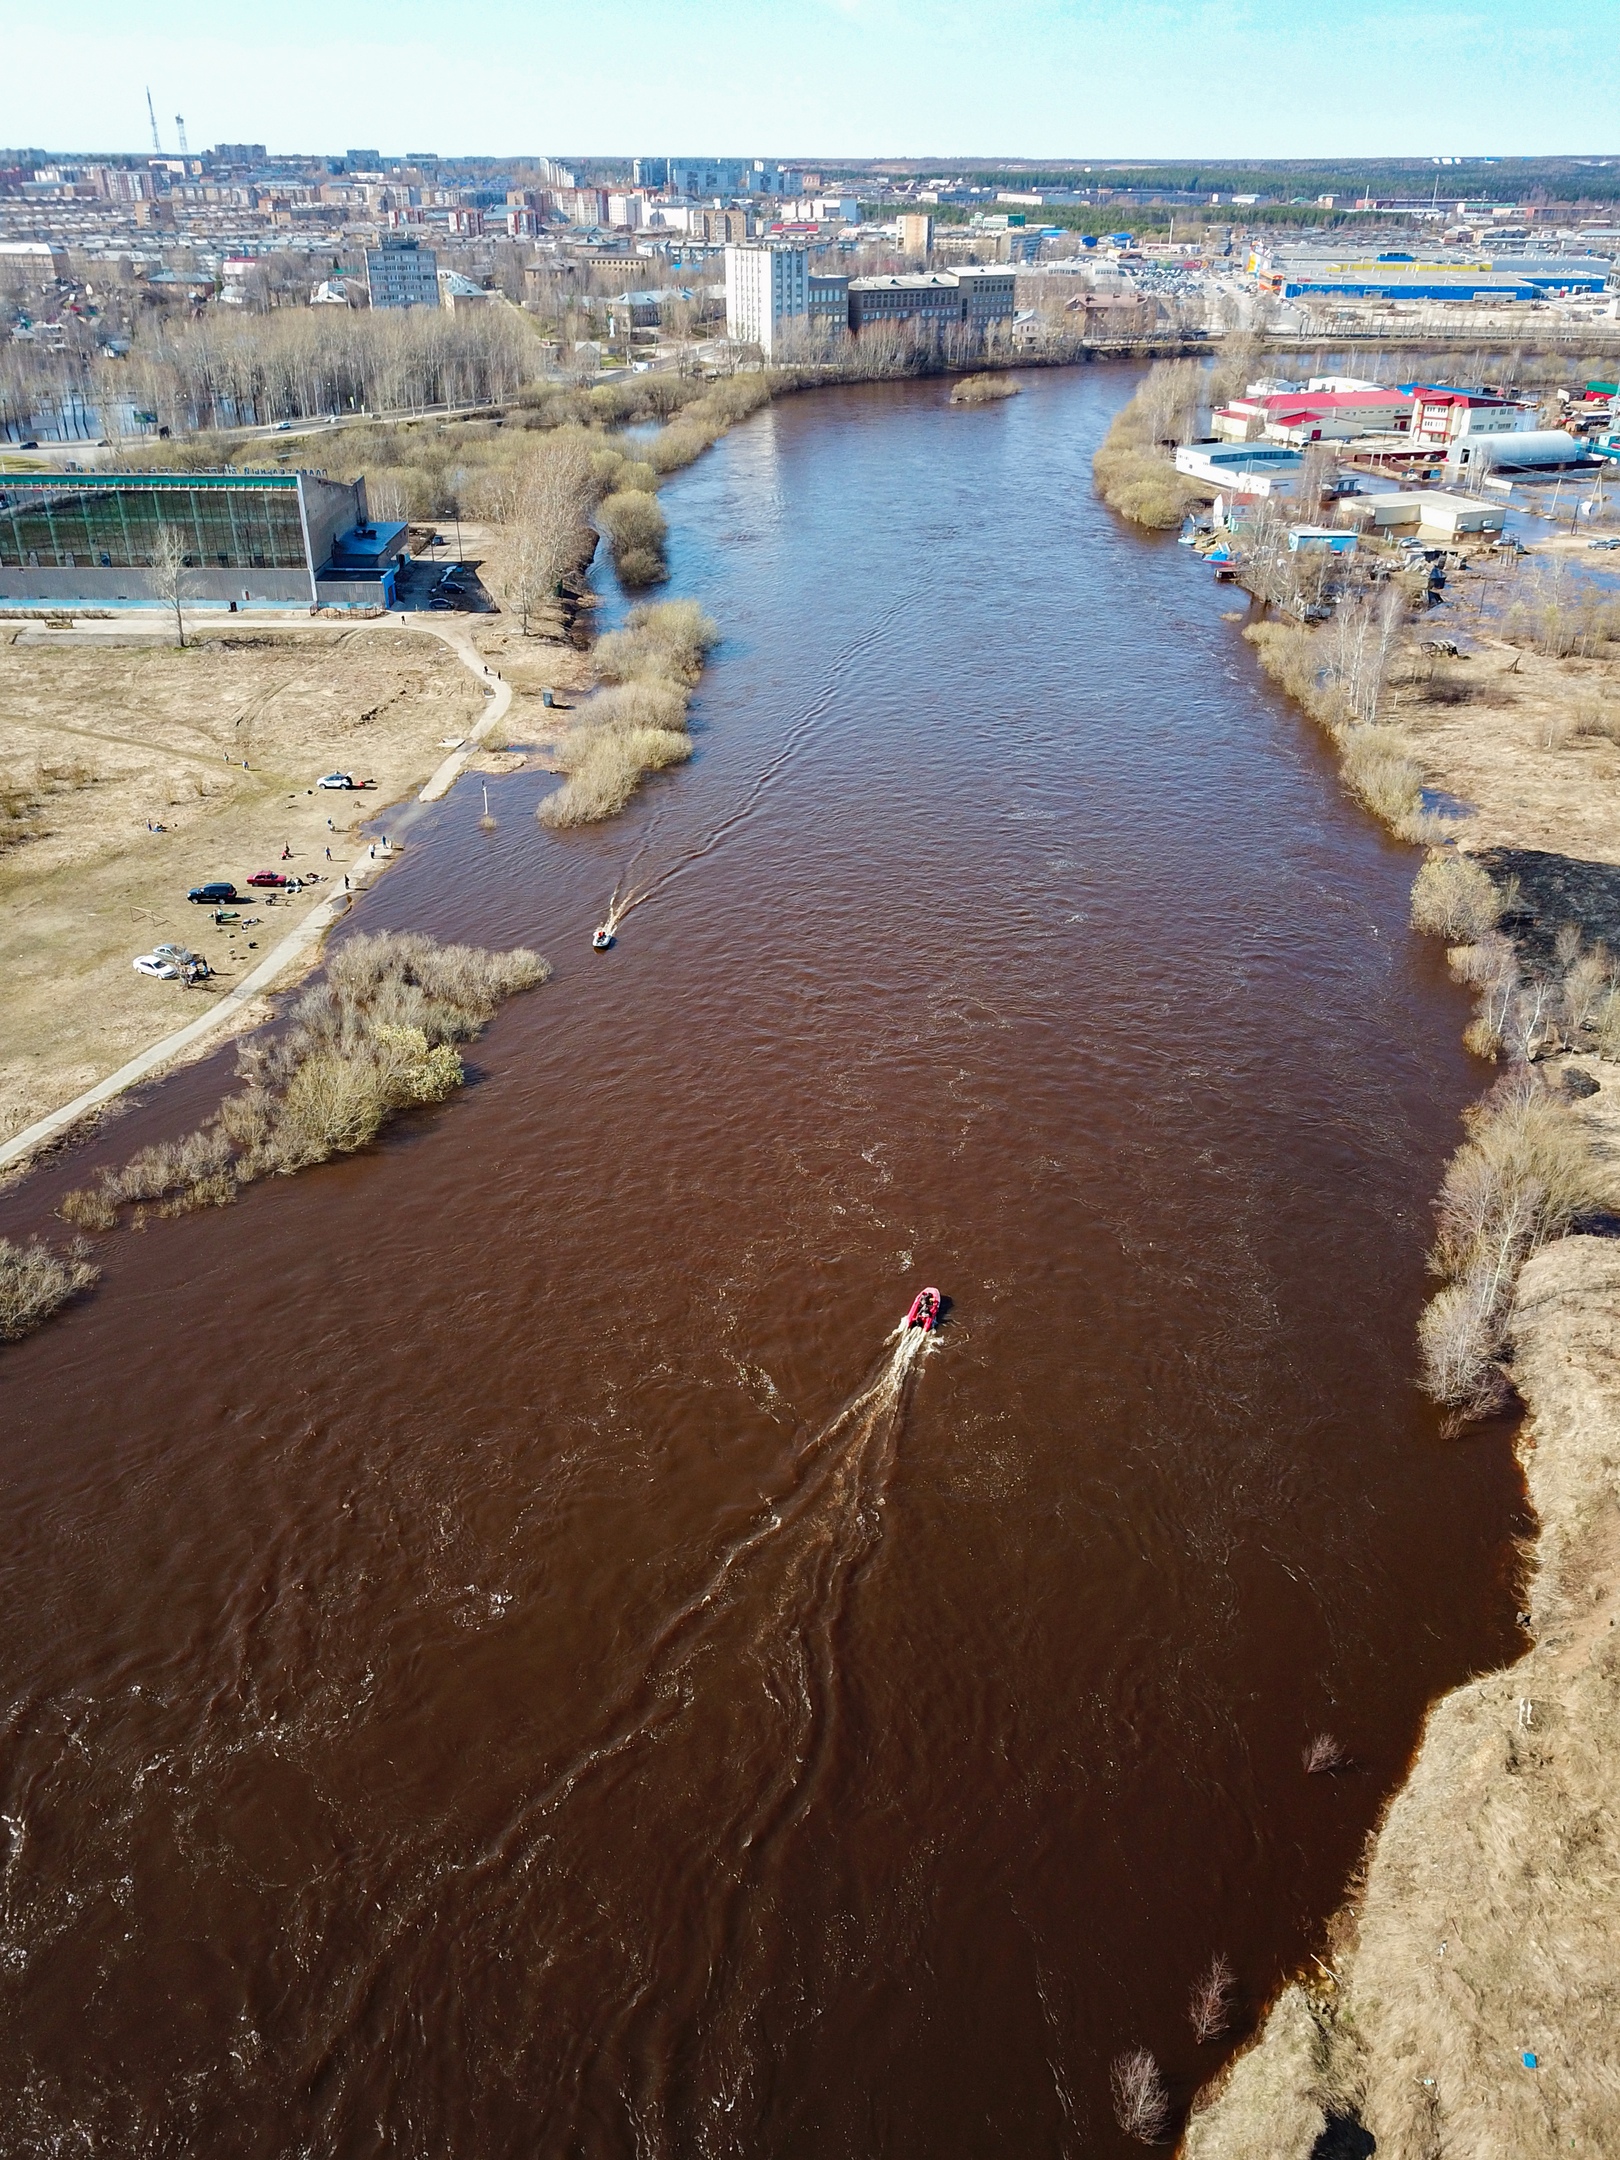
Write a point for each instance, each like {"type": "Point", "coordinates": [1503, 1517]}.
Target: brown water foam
{"type": "Point", "coordinates": [377, 1776]}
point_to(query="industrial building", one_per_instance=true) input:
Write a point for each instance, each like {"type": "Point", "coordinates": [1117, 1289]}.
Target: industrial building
{"type": "Point", "coordinates": [973, 298]}
{"type": "Point", "coordinates": [1440, 414]}
{"type": "Point", "coordinates": [401, 274]}
{"type": "Point", "coordinates": [1299, 417]}
{"type": "Point", "coordinates": [1243, 469]}
{"type": "Point", "coordinates": [250, 540]}
{"type": "Point", "coordinates": [1395, 276]}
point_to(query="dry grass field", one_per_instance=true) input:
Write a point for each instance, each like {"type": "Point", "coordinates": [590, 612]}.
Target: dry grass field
{"type": "Point", "coordinates": [219, 745]}
{"type": "Point", "coordinates": [1530, 744]}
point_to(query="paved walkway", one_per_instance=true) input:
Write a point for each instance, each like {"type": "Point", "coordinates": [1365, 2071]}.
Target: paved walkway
{"type": "Point", "coordinates": [299, 941]}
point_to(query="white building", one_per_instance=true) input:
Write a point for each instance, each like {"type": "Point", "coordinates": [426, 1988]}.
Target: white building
{"type": "Point", "coordinates": [766, 289]}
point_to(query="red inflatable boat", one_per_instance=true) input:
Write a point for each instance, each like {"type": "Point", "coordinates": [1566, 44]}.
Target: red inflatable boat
{"type": "Point", "coordinates": [924, 1311]}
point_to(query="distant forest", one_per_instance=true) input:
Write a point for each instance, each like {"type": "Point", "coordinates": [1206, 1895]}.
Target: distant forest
{"type": "Point", "coordinates": [1529, 180]}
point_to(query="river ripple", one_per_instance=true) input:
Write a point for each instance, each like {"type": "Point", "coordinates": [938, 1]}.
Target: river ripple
{"type": "Point", "coordinates": [494, 1659]}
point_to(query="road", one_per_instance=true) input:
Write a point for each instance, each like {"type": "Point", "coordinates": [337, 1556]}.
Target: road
{"type": "Point", "coordinates": [301, 941]}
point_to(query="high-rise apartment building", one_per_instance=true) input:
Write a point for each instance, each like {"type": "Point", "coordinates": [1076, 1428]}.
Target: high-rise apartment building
{"type": "Point", "coordinates": [766, 289]}
{"type": "Point", "coordinates": [401, 274]}
{"type": "Point", "coordinates": [916, 233]}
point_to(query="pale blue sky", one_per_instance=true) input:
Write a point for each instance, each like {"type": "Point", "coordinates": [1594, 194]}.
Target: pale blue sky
{"type": "Point", "coordinates": [836, 78]}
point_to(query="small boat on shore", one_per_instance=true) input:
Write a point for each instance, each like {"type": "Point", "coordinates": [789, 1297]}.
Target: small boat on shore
{"type": "Point", "coordinates": [601, 939]}
{"type": "Point", "coordinates": [924, 1311]}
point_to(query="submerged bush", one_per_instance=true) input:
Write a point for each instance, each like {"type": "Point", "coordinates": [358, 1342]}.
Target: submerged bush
{"type": "Point", "coordinates": [35, 1282]}
{"type": "Point", "coordinates": [374, 1038]}
{"type": "Point", "coordinates": [983, 389]}
{"type": "Point", "coordinates": [637, 725]}
{"type": "Point", "coordinates": [605, 767]}
{"type": "Point", "coordinates": [667, 642]}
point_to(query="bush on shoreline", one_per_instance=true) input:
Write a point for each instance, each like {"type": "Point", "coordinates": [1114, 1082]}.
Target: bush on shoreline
{"type": "Point", "coordinates": [1526, 1171]}
{"type": "Point", "coordinates": [1134, 475]}
{"type": "Point", "coordinates": [637, 725]}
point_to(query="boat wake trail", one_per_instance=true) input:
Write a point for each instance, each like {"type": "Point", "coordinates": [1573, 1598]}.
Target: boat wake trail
{"type": "Point", "coordinates": [634, 1895]}
{"type": "Point", "coordinates": [801, 725]}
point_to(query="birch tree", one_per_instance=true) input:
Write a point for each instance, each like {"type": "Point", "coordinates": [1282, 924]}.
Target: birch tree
{"type": "Point", "coordinates": [171, 577]}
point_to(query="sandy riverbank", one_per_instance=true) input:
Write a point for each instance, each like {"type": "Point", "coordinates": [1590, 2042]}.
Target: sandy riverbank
{"type": "Point", "coordinates": [102, 745]}
{"type": "Point", "coordinates": [1467, 1999]}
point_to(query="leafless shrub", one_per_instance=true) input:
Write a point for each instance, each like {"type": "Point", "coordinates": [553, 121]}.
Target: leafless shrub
{"type": "Point", "coordinates": [636, 528]}
{"type": "Point", "coordinates": [34, 1282]}
{"type": "Point", "coordinates": [1141, 2104]}
{"type": "Point", "coordinates": [1590, 978]}
{"type": "Point", "coordinates": [1322, 1755]}
{"type": "Point", "coordinates": [1491, 966]}
{"type": "Point", "coordinates": [375, 1038]}
{"type": "Point", "coordinates": [1526, 1170]}
{"type": "Point", "coordinates": [983, 389]}
{"type": "Point", "coordinates": [1561, 623]}
{"type": "Point", "coordinates": [88, 1208]}
{"type": "Point", "coordinates": [1459, 1337]}
{"type": "Point", "coordinates": [1210, 2006]}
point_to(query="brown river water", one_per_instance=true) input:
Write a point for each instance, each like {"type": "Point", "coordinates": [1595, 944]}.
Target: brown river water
{"type": "Point", "coordinates": [499, 1653]}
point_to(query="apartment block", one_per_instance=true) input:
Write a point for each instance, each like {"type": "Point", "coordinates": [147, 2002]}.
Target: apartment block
{"type": "Point", "coordinates": [767, 288]}
{"type": "Point", "coordinates": [401, 274]}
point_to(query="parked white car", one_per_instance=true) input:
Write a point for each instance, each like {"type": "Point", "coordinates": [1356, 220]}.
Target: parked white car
{"type": "Point", "coordinates": [173, 963]}
{"type": "Point", "coordinates": [336, 780]}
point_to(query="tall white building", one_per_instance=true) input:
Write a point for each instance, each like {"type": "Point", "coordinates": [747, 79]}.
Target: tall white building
{"type": "Point", "coordinates": [767, 287]}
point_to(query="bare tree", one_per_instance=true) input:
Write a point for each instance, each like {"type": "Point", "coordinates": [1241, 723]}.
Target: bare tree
{"type": "Point", "coordinates": [550, 511]}
{"type": "Point", "coordinates": [171, 574]}
{"type": "Point", "coordinates": [1210, 2006]}
{"type": "Point", "coordinates": [1323, 1754]}
{"type": "Point", "coordinates": [1141, 2104]}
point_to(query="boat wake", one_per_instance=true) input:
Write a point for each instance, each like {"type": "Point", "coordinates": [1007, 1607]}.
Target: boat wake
{"type": "Point", "coordinates": [725, 1737]}
{"type": "Point", "coordinates": [802, 725]}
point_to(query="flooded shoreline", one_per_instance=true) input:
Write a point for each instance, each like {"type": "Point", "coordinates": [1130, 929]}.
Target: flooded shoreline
{"type": "Point", "coordinates": [1013, 936]}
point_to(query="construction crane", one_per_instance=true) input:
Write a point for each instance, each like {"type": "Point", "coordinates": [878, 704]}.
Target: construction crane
{"type": "Point", "coordinates": [180, 126]}
{"type": "Point", "coordinates": [152, 116]}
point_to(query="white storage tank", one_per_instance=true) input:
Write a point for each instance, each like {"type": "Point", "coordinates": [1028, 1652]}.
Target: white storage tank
{"type": "Point", "coordinates": [1535, 450]}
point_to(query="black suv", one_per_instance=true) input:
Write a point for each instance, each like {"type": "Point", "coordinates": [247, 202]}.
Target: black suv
{"type": "Point", "coordinates": [212, 895]}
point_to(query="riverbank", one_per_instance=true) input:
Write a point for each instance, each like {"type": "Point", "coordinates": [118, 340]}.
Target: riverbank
{"type": "Point", "coordinates": [137, 770]}
{"type": "Point", "coordinates": [1469, 2000]}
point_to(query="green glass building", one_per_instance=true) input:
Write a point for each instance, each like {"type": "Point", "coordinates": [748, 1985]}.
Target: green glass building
{"type": "Point", "coordinates": [252, 539]}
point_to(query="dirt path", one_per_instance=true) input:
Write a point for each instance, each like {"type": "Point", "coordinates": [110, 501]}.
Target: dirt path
{"type": "Point", "coordinates": [300, 942]}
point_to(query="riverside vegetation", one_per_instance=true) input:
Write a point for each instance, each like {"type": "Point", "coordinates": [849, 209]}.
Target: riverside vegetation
{"type": "Point", "coordinates": [637, 725]}
{"type": "Point", "coordinates": [378, 1036]}
{"type": "Point", "coordinates": [1468, 1997]}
